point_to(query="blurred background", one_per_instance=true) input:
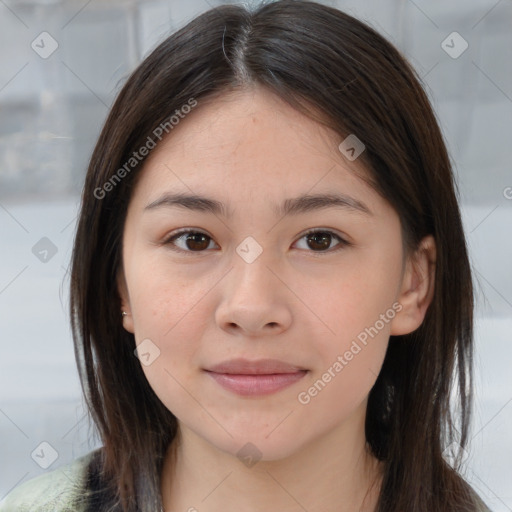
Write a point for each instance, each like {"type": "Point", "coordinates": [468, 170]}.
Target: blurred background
{"type": "Point", "coordinates": [62, 64]}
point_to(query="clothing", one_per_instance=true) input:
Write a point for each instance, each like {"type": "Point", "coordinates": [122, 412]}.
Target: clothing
{"type": "Point", "coordinates": [59, 490]}
{"type": "Point", "coordinates": [64, 489]}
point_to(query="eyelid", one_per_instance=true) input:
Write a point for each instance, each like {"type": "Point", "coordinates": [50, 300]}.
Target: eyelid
{"type": "Point", "coordinates": [342, 240]}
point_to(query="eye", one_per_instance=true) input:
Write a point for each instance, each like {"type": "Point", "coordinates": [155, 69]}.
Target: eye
{"type": "Point", "coordinates": [197, 241]}
{"type": "Point", "coordinates": [321, 238]}
{"type": "Point", "coordinates": [194, 241]}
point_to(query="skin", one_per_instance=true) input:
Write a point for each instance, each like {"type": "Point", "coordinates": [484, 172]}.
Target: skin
{"type": "Point", "coordinates": [298, 302]}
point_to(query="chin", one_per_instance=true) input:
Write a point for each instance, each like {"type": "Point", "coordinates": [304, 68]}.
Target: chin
{"type": "Point", "coordinates": [250, 447]}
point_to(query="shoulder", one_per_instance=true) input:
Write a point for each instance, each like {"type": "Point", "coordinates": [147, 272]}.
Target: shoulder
{"type": "Point", "coordinates": [59, 490]}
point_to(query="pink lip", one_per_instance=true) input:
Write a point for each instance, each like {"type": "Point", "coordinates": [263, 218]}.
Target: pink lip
{"type": "Point", "coordinates": [253, 385]}
{"type": "Point", "coordinates": [252, 378]}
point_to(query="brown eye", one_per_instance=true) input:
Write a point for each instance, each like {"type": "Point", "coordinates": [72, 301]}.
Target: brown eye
{"type": "Point", "coordinates": [193, 241]}
{"type": "Point", "coordinates": [320, 241]}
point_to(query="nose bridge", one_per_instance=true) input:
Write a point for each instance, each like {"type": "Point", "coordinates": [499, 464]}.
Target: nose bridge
{"type": "Point", "coordinates": [252, 263]}
{"type": "Point", "coordinates": [252, 298]}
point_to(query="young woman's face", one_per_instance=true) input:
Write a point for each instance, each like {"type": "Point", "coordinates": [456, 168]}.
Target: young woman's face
{"type": "Point", "coordinates": [249, 283]}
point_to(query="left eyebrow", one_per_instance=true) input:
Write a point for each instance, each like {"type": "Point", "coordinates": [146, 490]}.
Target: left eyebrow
{"type": "Point", "coordinates": [294, 206]}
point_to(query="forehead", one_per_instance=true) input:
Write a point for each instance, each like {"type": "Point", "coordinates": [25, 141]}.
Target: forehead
{"type": "Point", "coordinates": [254, 142]}
{"type": "Point", "coordinates": [249, 122]}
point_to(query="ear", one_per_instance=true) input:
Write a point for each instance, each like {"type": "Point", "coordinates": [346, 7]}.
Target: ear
{"type": "Point", "coordinates": [417, 288]}
{"type": "Point", "coordinates": [125, 301]}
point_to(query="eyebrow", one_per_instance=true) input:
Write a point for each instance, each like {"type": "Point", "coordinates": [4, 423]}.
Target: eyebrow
{"type": "Point", "coordinates": [293, 206]}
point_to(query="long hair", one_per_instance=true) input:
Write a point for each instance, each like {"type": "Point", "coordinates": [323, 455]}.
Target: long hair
{"type": "Point", "coordinates": [342, 73]}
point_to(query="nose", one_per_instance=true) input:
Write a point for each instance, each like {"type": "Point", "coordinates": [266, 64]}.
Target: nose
{"type": "Point", "coordinates": [255, 300]}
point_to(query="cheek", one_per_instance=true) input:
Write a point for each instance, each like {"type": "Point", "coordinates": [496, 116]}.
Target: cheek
{"type": "Point", "coordinates": [164, 296]}
{"type": "Point", "coordinates": [176, 332]}
{"type": "Point", "coordinates": [168, 308]}
{"type": "Point", "coordinates": [358, 309]}
{"type": "Point", "coordinates": [175, 325]}
{"type": "Point", "coordinates": [335, 390]}
{"type": "Point", "coordinates": [354, 299]}
{"type": "Point", "coordinates": [361, 325]}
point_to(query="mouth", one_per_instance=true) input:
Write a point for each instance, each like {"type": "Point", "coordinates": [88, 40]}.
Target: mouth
{"type": "Point", "coordinates": [242, 366]}
{"type": "Point", "coordinates": [255, 378]}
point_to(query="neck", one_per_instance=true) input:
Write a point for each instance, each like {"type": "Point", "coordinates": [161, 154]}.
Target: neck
{"type": "Point", "coordinates": [197, 476]}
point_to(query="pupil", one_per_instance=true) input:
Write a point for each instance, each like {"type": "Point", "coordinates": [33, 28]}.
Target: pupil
{"type": "Point", "coordinates": [191, 238]}
{"type": "Point", "coordinates": [324, 238]}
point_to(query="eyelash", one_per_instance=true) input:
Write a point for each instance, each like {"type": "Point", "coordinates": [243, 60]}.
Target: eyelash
{"type": "Point", "coordinates": [178, 234]}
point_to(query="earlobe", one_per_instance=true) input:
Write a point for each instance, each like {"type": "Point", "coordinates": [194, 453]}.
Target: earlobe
{"type": "Point", "coordinates": [417, 289]}
{"type": "Point", "coordinates": [125, 312]}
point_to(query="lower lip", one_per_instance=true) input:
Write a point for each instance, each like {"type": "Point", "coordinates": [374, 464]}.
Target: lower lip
{"type": "Point", "coordinates": [256, 385]}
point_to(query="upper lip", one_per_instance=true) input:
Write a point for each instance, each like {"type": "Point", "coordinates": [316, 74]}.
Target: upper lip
{"type": "Point", "coordinates": [242, 366]}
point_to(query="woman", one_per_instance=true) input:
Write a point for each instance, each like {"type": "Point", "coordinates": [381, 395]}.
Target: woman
{"type": "Point", "coordinates": [231, 355]}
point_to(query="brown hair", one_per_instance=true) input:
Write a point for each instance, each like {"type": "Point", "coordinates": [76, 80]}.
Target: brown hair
{"type": "Point", "coordinates": [341, 72]}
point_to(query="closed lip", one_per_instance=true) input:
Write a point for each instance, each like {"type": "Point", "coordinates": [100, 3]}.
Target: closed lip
{"type": "Point", "coordinates": [242, 366]}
